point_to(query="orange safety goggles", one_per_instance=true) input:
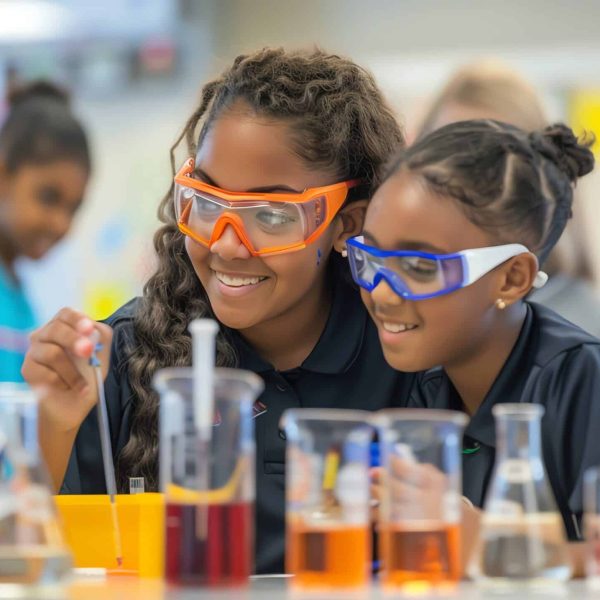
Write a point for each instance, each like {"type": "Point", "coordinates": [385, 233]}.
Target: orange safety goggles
{"type": "Point", "coordinates": [266, 223]}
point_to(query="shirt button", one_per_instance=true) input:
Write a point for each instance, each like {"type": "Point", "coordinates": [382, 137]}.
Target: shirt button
{"type": "Point", "coordinates": [281, 387]}
{"type": "Point", "coordinates": [282, 434]}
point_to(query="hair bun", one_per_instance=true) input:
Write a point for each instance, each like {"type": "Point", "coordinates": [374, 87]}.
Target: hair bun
{"type": "Point", "coordinates": [40, 89]}
{"type": "Point", "coordinates": [560, 145]}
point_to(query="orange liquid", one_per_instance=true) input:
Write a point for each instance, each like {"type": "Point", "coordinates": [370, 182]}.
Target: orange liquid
{"type": "Point", "coordinates": [329, 556]}
{"type": "Point", "coordinates": [419, 553]}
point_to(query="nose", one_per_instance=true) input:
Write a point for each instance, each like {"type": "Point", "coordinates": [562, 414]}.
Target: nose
{"type": "Point", "coordinates": [229, 245]}
{"type": "Point", "coordinates": [60, 223]}
{"type": "Point", "coordinates": [384, 295]}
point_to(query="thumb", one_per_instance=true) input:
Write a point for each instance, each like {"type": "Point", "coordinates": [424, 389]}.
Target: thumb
{"type": "Point", "coordinates": [105, 334]}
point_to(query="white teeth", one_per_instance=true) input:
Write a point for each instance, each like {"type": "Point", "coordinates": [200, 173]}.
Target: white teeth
{"type": "Point", "coordinates": [237, 281]}
{"type": "Point", "coordinates": [397, 327]}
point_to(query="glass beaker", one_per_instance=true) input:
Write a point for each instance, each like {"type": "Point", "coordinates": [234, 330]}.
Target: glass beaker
{"type": "Point", "coordinates": [34, 560]}
{"type": "Point", "coordinates": [591, 525]}
{"type": "Point", "coordinates": [328, 538]}
{"type": "Point", "coordinates": [420, 511]}
{"type": "Point", "coordinates": [522, 537]}
{"type": "Point", "coordinates": [208, 484]}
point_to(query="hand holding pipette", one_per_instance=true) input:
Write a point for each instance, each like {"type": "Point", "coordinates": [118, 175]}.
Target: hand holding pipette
{"type": "Point", "coordinates": [57, 364]}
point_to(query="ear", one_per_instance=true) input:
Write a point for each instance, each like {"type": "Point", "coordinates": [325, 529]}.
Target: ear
{"type": "Point", "coordinates": [349, 222]}
{"type": "Point", "coordinates": [517, 277]}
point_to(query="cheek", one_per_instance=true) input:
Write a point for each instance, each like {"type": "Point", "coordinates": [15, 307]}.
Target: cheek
{"type": "Point", "coordinates": [198, 254]}
{"type": "Point", "coordinates": [455, 324]}
{"type": "Point", "coordinates": [298, 268]}
{"type": "Point", "coordinates": [29, 213]}
{"type": "Point", "coordinates": [26, 219]}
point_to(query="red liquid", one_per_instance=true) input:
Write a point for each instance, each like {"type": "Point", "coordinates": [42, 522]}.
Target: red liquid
{"type": "Point", "coordinates": [209, 545]}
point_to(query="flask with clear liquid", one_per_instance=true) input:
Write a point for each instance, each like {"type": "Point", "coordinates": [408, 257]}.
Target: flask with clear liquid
{"type": "Point", "coordinates": [522, 537]}
{"type": "Point", "coordinates": [34, 560]}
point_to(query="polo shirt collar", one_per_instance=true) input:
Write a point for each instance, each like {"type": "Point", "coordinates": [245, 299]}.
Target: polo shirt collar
{"type": "Point", "coordinates": [510, 381]}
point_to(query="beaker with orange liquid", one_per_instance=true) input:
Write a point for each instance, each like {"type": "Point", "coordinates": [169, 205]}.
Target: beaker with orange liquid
{"type": "Point", "coordinates": [328, 544]}
{"type": "Point", "coordinates": [420, 511]}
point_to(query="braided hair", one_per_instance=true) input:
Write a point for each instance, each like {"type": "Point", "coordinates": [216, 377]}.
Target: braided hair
{"type": "Point", "coordinates": [514, 184]}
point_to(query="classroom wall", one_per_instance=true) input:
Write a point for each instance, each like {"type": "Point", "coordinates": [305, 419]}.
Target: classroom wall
{"type": "Point", "coordinates": [410, 45]}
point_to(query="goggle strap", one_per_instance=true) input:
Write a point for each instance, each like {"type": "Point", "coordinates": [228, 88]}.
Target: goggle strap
{"type": "Point", "coordinates": [479, 261]}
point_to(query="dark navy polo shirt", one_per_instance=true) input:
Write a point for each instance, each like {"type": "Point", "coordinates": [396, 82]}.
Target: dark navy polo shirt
{"type": "Point", "coordinates": [346, 369]}
{"type": "Point", "coordinates": [557, 365]}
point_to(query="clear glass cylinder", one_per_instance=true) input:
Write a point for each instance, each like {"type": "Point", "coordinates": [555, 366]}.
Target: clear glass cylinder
{"type": "Point", "coordinates": [522, 537]}
{"type": "Point", "coordinates": [591, 525]}
{"type": "Point", "coordinates": [34, 560]}
{"type": "Point", "coordinates": [420, 512]}
{"type": "Point", "coordinates": [209, 484]}
{"type": "Point", "coordinates": [328, 540]}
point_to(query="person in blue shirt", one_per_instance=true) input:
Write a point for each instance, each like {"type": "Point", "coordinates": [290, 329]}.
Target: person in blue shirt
{"type": "Point", "coordinates": [44, 169]}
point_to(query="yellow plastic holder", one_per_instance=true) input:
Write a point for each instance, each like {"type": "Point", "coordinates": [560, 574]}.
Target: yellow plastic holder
{"type": "Point", "coordinates": [88, 531]}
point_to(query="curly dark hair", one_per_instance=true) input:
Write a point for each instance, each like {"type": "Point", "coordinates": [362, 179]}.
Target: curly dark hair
{"type": "Point", "coordinates": [339, 121]}
{"type": "Point", "coordinates": [515, 184]}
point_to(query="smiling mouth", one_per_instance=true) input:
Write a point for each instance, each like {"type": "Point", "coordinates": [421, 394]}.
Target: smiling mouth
{"type": "Point", "coordinates": [236, 280]}
{"type": "Point", "coordinates": [397, 327]}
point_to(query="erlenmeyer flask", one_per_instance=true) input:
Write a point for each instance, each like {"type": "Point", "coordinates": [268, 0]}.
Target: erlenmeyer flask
{"type": "Point", "coordinates": [522, 538]}
{"type": "Point", "coordinates": [34, 560]}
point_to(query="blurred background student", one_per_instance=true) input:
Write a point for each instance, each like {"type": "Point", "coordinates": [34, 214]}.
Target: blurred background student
{"type": "Point", "coordinates": [490, 89]}
{"type": "Point", "coordinates": [44, 170]}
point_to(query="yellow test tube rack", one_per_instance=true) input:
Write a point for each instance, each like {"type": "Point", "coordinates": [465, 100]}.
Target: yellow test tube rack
{"type": "Point", "coordinates": [88, 531]}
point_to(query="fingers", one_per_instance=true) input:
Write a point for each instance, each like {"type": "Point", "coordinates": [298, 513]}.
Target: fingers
{"type": "Point", "coordinates": [43, 374]}
{"type": "Point", "coordinates": [48, 363]}
{"type": "Point", "coordinates": [416, 474]}
{"type": "Point", "coordinates": [376, 494]}
{"type": "Point", "coordinates": [59, 351]}
{"type": "Point", "coordinates": [375, 474]}
{"type": "Point", "coordinates": [411, 489]}
{"type": "Point", "coordinates": [106, 334]}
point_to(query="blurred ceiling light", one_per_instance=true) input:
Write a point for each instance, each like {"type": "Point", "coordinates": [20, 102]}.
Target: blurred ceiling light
{"type": "Point", "coordinates": [33, 21]}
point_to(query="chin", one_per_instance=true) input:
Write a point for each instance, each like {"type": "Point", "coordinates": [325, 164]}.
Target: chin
{"type": "Point", "coordinates": [33, 255]}
{"type": "Point", "coordinates": [402, 361]}
{"type": "Point", "coordinates": [234, 319]}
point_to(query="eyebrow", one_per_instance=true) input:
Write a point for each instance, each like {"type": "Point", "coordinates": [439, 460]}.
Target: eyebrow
{"type": "Point", "coordinates": [408, 244]}
{"type": "Point", "coordinates": [279, 187]}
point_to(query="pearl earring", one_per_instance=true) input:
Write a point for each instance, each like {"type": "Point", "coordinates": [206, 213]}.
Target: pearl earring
{"type": "Point", "coordinates": [344, 253]}
{"type": "Point", "coordinates": [500, 304]}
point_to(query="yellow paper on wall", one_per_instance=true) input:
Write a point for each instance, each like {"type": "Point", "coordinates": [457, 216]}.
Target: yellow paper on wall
{"type": "Point", "coordinates": [103, 298]}
{"type": "Point", "coordinates": [584, 114]}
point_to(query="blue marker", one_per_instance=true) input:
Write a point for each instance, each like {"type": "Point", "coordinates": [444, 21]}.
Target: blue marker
{"type": "Point", "coordinates": [375, 461]}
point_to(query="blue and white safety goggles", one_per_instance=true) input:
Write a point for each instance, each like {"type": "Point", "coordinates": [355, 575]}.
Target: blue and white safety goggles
{"type": "Point", "coordinates": [419, 275]}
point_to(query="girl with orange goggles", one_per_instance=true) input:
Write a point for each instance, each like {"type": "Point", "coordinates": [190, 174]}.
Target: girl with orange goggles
{"type": "Point", "coordinates": [254, 232]}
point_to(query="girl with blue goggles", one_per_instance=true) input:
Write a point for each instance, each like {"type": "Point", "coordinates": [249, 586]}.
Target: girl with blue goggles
{"type": "Point", "coordinates": [449, 297]}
